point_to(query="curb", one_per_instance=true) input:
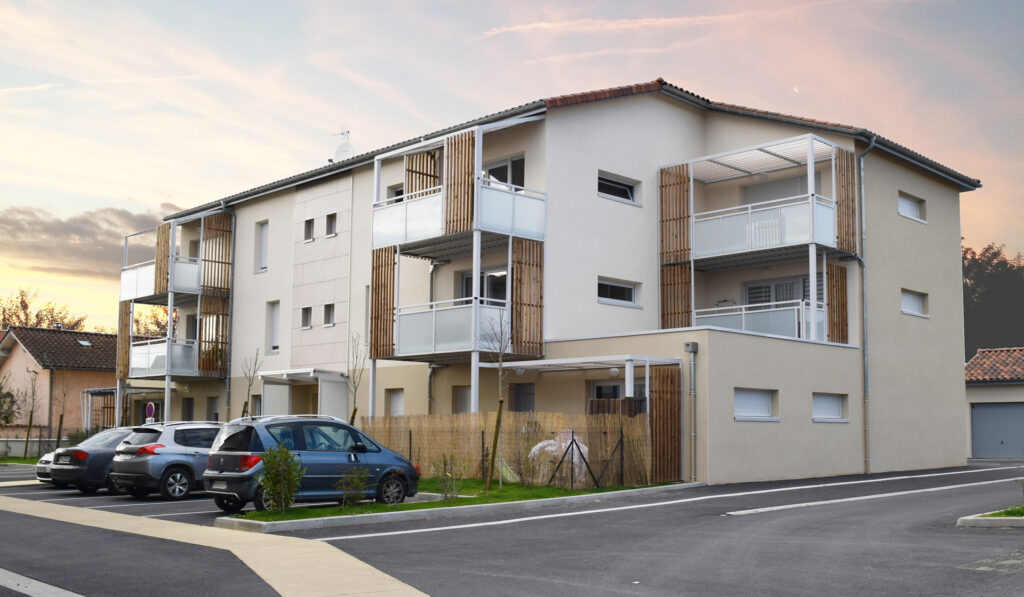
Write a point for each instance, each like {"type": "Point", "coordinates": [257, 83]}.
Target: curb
{"type": "Point", "coordinates": [991, 522]}
{"type": "Point", "coordinates": [255, 526]}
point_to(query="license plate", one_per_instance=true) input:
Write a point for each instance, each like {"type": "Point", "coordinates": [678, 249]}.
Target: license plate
{"type": "Point", "coordinates": [220, 485]}
{"type": "Point", "coordinates": [63, 459]}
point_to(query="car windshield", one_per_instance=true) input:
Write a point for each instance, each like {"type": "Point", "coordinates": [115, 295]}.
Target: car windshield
{"type": "Point", "coordinates": [105, 439]}
{"type": "Point", "coordinates": [142, 436]}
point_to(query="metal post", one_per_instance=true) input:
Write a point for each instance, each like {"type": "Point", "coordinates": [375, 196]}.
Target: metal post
{"type": "Point", "coordinates": [474, 375]}
{"type": "Point", "coordinates": [630, 393]}
{"type": "Point", "coordinates": [170, 322]}
{"type": "Point", "coordinates": [812, 274]}
{"type": "Point", "coordinates": [647, 386]}
{"type": "Point", "coordinates": [824, 291]}
{"type": "Point", "coordinates": [398, 283]}
{"type": "Point", "coordinates": [373, 388]}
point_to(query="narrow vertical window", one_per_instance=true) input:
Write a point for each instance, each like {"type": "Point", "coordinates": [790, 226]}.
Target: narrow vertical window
{"type": "Point", "coordinates": [307, 317]}
{"type": "Point", "coordinates": [328, 314]}
{"type": "Point", "coordinates": [307, 231]}
{"type": "Point", "coordinates": [262, 245]}
{"type": "Point", "coordinates": [332, 224]}
{"type": "Point", "coordinates": [273, 324]}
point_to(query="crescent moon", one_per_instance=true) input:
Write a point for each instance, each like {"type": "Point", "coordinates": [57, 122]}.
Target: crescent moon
{"type": "Point", "coordinates": [795, 90]}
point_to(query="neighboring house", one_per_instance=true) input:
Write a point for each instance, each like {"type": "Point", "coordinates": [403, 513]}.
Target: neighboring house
{"type": "Point", "coordinates": [71, 368]}
{"type": "Point", "coordinates": [637, 249]}
{"type": "Point", "coordinates": [995, 393]}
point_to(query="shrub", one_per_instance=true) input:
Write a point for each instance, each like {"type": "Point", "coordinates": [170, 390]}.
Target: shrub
{"type": "Point", "coordinates": [280, 478]}
{"type": "Point", "coordinates": [450, 475]}
{"type": "Point", "coordinates": [354, 485]}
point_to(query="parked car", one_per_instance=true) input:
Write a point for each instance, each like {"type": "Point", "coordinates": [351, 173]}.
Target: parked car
{"type": "Point", "coordinates": [166, 457]}
{"type": "Point", "coordinates": [43, 471]}
{"type": "Point", "coordinates": [87, 465]}
{"type": "Point", "coordinates": [327, 447]}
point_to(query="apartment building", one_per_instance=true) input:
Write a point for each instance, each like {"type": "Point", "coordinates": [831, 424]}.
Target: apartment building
{"type": "Point", "coordinates": [781, 295]}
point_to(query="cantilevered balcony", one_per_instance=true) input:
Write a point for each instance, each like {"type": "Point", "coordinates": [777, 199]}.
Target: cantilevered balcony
{"type": "Point", "coordinates": [139, 281]}
{"type": "Point", "coordinates": [446, 327]}
{"type": "Point", "coordinates": [150, 358]}
{"type": "Point", "coordinates": [767, 225]}
{"type": "Point", "coordinates": [791, 319]}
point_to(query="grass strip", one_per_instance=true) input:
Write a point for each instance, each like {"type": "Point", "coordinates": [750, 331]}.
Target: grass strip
{"type": "Point", "coordinates": [1014, 511]}
{"type": "Point", "coordinates": [14, 460]}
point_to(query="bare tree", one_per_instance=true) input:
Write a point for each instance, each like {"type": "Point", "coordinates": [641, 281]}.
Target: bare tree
{"type": "Point", "coordinates": [498, 342]}
{"type": "Point", "coordinates": [61, 403]}
{"type": "Point", "coordinates": [250, 368]}
{"type": "Point", "coordinates": [28, 398]}
{"type": "Point", "coordinates": [356, 365]}
{"type": "Point", "coordinates": [10, 405]}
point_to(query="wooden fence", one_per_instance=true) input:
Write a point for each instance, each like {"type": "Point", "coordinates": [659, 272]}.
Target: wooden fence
{"type": "Point", "coordinates": [530, 446]}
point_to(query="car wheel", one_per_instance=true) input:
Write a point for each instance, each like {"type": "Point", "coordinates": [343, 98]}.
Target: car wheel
{"type": "Point", "coordinates": [257, 500]}
{"type": "Point", "coordinates": [88, 489]}
{"type": "Point", "coordinates": [229, 503]}
{"type": "Point", "coordinates": [391, 490]}
{"type": "Point", "coordinates": [175, 484]}
{"type": "Point", "coordinates": [112, 487]}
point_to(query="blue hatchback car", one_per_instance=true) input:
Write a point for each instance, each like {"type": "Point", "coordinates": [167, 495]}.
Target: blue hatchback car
{"type": "Point", "coordinates": [327, 447]}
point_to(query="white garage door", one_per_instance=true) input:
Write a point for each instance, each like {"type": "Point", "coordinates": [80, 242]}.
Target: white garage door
{"type": "Point", "coordinates": [997, 429]}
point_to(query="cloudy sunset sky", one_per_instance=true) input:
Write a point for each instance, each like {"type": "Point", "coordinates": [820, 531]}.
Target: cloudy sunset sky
{"type": "Point", "coordinates": [113, 115]}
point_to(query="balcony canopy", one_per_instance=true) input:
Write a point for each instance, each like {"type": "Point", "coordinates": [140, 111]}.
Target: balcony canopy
{"type": "Point", "coordinates": [777, 155]}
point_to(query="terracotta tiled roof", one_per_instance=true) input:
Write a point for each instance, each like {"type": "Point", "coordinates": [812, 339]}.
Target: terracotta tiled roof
{"type": "Point", "coordinates": [603, 94]}
{"type": "Point", "coordinates": [996, 365]}
{"type": "Point", "coordinates": [61, 349]}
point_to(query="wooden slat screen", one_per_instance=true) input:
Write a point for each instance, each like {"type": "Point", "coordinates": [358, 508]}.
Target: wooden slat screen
{"type": "Point", "coordinates": [213, 336]}
{"type": "Point", "coordinates": [163, 255]}
{"type": "Point", "coordinates": [846, 200]}
{"type": "Point", "coordinates": [527, 296]}
{"type": "Point", "coordinates": [124, 339]}
{"type": "Point", "coordinates": [217, 252]}
{"type": "Point", "coordinates": [674, 249]}
{"type": "Point", "coordinates": [382, 303]}
{"type": "Point", "coordinates": [838, 316]}
{"type": "Point", "coordinates": [666, 424]}
{"type": "Point", "coordinates": [421, 171]}
{"type": "Point", "coordinates": [459, 152]}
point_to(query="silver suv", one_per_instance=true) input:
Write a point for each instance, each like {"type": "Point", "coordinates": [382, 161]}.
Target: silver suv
{"type": "Point", "coordinates": [168, 457]}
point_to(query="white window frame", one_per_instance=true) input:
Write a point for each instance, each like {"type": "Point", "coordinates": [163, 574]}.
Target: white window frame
{"type": "Point", "coordinates": [912, 208]}
{"type": "Point", "coordinates": [309, 230]}
{"type": "Point", "coordinates": [818, 403]}
{"type": "Point", "coordinates": [632, 186]}
{"type": "Point", "coordinates": [306, 318]}
{"type": "Point", "coordinates": [328, 315]}
{"type": "Point", "coordinates": [748, 395]}
{"type": "Point", "coordinates": [389, 401]}
{"type": "Point", "coordinates": [331, 225]}
{"type": "Point", "coordinates": [262, 253]}
{"type": "Point", "coordinates": [273, 327]}
{"type": "Point", "coordinates": [633, 286]}
{"type": "Point", "coordinates": [507, 162]}
{"type": "Point", "coordinates": [395, 191]}
{"type": "Point", "coordinates": [909, 301]}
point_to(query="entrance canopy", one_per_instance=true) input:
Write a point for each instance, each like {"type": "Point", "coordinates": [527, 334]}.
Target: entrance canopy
{"type": "Point", "coordinates": [298, 377]}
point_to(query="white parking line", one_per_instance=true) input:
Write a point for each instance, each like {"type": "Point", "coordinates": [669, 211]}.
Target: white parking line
{"type": "Point", "coordinates": [30, 586]}
{"type": "Point", "coordinates": [859, 498]}
{"type": "Point", "coordinates": [183, 513]}
{"type": "Point", "coordinates": [47, 492]}
{"type": "Point", "coordinates": [683, 501]}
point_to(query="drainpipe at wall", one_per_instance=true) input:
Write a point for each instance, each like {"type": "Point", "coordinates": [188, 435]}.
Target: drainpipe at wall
{"type": "Point", "coordinates": [231, 300]}
{"type": "Point", "coordinates": [864, 308]}
{"type": "Point", "coordinates": [49, 411]}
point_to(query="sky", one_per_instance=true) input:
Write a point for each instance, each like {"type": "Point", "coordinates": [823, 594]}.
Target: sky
{"type": "Point", "coordinates": [113, 114]}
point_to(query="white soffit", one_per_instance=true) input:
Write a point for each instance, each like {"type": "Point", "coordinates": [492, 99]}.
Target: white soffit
{"type": "Point", "coordinates": [763, 158]}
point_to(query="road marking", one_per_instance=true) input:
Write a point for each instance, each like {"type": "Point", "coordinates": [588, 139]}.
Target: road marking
{"type": "Point", "coordinates": [183, 513]}
{"type": "Point", "coordinates": [672, 503]}
{"type": "Point", "coordinates": [47, 492]}
{"type": "Point", "coordinates": [30, 586]}
{"type": "Point", "coordinates": [859, 498]}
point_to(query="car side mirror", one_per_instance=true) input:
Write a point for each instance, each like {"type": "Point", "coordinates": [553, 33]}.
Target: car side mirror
{"type": "Point", "coordinates": [359, 447]}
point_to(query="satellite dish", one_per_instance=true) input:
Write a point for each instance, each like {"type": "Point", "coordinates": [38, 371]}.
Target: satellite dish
{"type": "Point", "coordinates": [345, 150]}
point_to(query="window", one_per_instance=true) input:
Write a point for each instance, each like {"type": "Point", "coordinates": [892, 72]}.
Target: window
{"type": "Point", "coordinates": [332, 225]}
{"type": "Point", "coordinates": [307, 317]}
{"type": "Point", "coordinates": [212, 412]}
{"type": "Point", "coordinates": [613, 188]}
{"type": "Point", "coordinates": [783, 289]}
{"type": "Point", "coordinates": [188, 409]}
{"type": "Point", "coordinates": [273, 323]}
{"type": "Point", "coordinates": [191, 326]}
{"type": "Point", "coordinates": [307, 233]}
{"type": "Point", "coordinates": [324, 437]}
{"type": "Point", "coordinates": [328, 314]}
{"type": "Point", "coordinates": [911, 207]}
{"type": "Point", "coordinates": [755, 405]}
{"type": "Point", "coordinates": [511, 170]}
{"type": "Point", "coordinates": [614, 292]}
{"type": "Point", "coordinates": [83, 342]}
{"type": "Point", "coordinates": [193, 248]}
{"type": "Point", "coordinates": [492, 284]}
{"type": "Point", "coordinates": [523, 397]}
{"type": "Point", "coordinates": [394, 402]}
{"type": "Point", "coordinates": [829, 408]}
{"type": "Point", "coordinates": [256, 404]}
{"type": "Point", "coordinates": [396, 192]}
{"type": "Point", "coordinates": [262, 245]}
{"type": "Point", "coordinates": [461, 399]}
{"type": "Point", "coordinates": [779, 189]}
{"type": "Point", "coordinates": [606, 390]}
{"type": "Point", "coordinates": [913, 303]}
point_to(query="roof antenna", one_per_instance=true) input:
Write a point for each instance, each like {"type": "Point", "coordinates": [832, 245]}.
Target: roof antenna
{"type": "Point", "coordinates": [345, 150]}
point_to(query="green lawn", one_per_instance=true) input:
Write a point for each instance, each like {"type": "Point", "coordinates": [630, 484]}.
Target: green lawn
{"type": "Point", "coordinates": [472, 490]}
{"type": "Point", "coordinates": [1014, 511]}
{"type": "Point", "coordinates": [20, 460]}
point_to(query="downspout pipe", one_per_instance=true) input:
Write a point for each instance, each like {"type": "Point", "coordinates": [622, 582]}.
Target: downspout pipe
{"type": "Point", "coordinates": [864, 307]}
{"type": "Point", "coordinates": [231, 301]}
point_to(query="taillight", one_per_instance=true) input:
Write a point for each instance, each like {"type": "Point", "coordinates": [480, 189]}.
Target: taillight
{"type": "Point", "coordinates": [417, 467]}
{"type": "Point", "coordinates": [80, 455]}
{"type": "Point", "coordinates": [149, 450]}
{"type": "Point", "coordinates": [249, 461]}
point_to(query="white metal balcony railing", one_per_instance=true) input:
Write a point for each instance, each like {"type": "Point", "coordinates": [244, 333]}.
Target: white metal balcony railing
{"type": "Point", "coordinates": [139, 280]}
{"type": "Point", "coordinates": [501, 207]}
{"type": "Point", "coordinates": [150, 357]}
{"type": "Point", "coordinates": [447, 326]}
{"type": "Point", "coordinates": [777, 223]}
{"type": "Point", "coordinates": [784, 318]}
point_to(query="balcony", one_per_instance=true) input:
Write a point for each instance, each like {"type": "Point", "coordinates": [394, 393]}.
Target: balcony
{"type": "Point", "coordinates": [501, 208]}
{"type": "Point", "coordinates": [447, 327]}
{"type": "Point", "coordinates": [784, 222]}
{"type": "Point", "coordinates": [139, 280]}
{"type": "Point", "coordinates": [791, 319]}
{"type": "Point", "coordinates": [149, 358]}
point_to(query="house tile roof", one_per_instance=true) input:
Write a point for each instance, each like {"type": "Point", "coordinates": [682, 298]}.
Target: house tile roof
{"type": "Point", "coordinates": [61, 349]}
{"type": "Point", "coordinates": [996, 365]}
